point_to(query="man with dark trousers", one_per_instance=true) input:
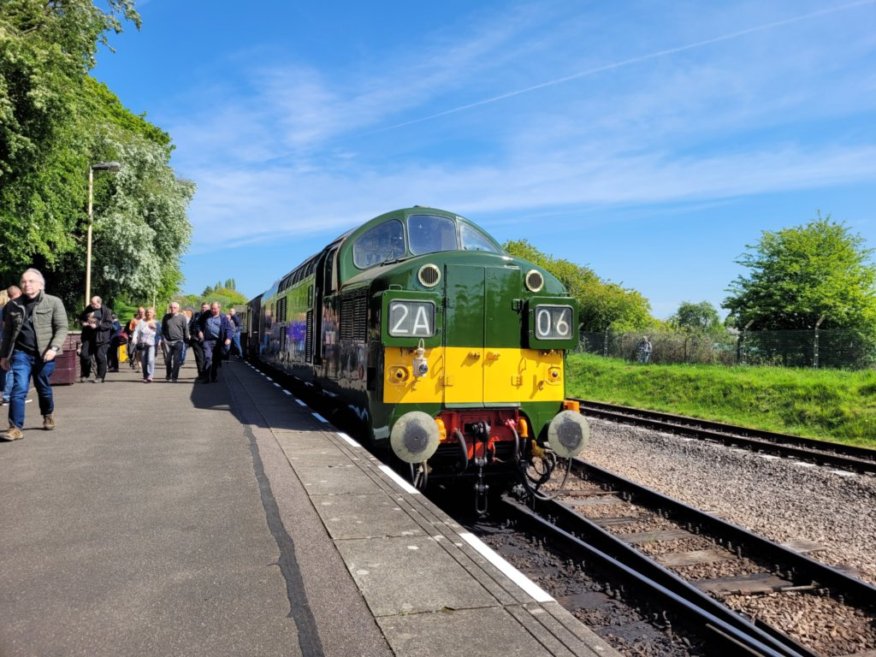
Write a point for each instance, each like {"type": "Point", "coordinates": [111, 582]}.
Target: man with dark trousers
{"type": "Point", "coordinates": [215, 331]}
{"type": "Point", "coordinates": [174, 335]}
{"type": "Point", "coordinates": [196, 343]}
{"type": "Point", "coordinates": [97, 330]}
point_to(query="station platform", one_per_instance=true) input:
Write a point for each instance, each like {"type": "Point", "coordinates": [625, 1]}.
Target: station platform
{"type": "Point", "coordinates": [229, 519]}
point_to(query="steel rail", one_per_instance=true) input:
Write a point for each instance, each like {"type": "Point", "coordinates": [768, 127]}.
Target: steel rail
{"type": "Point", "coordinates": [716, 622]}
{"type": "Point", "coordinates": [805, 569]}
{"type": "Point", "coordinates": [852, 457]}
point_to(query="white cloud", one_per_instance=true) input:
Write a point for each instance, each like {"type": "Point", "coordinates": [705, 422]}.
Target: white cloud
{"type": "Point", "coordinates": [518, 115]}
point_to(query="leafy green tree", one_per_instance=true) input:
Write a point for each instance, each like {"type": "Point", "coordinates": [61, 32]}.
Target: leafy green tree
{"type": "Point", "coordinates": [696, 318]}
{"type": "Point", "coordinates": [55, 121]}
{"type": "Point", "coordinates": [818, 274]}
{"type": "Point", "coordinates": [601, 303]}
{"type": "Point", "coordinates": [46, 50]}
{"type": "Point", "coordinates": [225, 296]}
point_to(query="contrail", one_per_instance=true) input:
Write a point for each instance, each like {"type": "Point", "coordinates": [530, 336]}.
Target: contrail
{"type": "Point", "coordinates": [628, 62]}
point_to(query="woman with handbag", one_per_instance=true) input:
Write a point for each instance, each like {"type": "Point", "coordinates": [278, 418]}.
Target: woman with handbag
{"type": "Point", "coordinates": [146, 338]}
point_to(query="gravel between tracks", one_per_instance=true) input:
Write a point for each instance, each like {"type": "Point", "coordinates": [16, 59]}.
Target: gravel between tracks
{"type": "Point", "coordinates": [781, 499]}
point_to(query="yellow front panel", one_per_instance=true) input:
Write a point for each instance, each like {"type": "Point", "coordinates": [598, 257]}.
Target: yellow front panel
{"type": "Point", "coordinates": [462, 375]}
{"type": "Point", "coordinates": [524, 375]}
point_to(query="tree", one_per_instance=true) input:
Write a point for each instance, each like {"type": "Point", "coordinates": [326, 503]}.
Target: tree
{"type": "Point", "coordinates": [55, 121]}
{"type": "Point", "coordinates": [601, 303]}
{"type": "Point", "coordinates": [696, 318]}
{"type": "Point", "coordinates": [807, 276]}
{"type": "Point", "coordinates": [46, 50]}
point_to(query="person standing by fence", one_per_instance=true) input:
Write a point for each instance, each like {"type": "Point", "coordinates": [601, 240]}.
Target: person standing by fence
{"type": "Point", "coordinates": [643, 350]}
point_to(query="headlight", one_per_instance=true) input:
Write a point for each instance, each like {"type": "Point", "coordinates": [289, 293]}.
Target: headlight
{"type": "Point", "coordinates": [534, 280]}
{"type": "Point", "coordinates": [553, 322]}
{"type": "Point", "coordinates": [411, 319]}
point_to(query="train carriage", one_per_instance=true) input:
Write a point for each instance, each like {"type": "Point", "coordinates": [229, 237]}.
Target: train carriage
{"type": "Point", "coordinates": [443, 346]}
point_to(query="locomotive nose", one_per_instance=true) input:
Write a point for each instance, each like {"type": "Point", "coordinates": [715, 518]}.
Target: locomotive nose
{"type": "Point", "coordinates": [568, 433]}
{"type": "Point", "coordinates": [414, 437]}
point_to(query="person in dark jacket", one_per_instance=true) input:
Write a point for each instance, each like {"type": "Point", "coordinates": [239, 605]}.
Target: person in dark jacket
{"type": "Point", "coordinates": [215, 331]}
{"type": "Point", "coordinates": [35, 327]}
{"type": "Point", "coordinates": [196, 342]}
{"type": "Point", "coordinates": [174, 335]}
{"type": "Point", "coordinates": [117, 338]}
{"type": "Point", "coordinates": [97, 330]}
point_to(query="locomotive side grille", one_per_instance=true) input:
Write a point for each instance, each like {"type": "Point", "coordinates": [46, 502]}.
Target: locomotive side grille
{"type": "Point", "coordinates": [308, 339]}
{"type": "Point", "coordinates": [354, 317]}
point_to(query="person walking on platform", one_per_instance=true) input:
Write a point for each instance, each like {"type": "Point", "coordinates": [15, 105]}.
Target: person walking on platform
{"type": "Point", "coordinates": [117, 339]}
{"type": "Point", "coordinates": [215, 331]}
{"type": "Point", "coordinates": [147, 337]}
{"type": "Point", "coordinates": [235, 338]}
{"type": "Point", "coordinates": [35, 327]}
{"type": "Point", "coordinates": [9, 294]}
{"type": "Point", "coordinates": [97, 330]}
{"type": "Point", "coordinates": [130, 327]}
{"type": "Point", "coordinates": [174, 335]}
{"type": "Point", "coordinates": [197, 343]}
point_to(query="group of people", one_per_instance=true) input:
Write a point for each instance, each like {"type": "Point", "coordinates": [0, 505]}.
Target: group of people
{"type": "Point", "coordinates": [33, 329]}
{"type": "Point", "coordinates": [210, 333]}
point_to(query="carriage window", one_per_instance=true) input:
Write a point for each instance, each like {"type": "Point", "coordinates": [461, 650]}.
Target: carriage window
{"type": "Point", "coordinates": [382, 243]}
{"type": "Point", "coordinates": [429, 233]}
{"type": "Point", "coordinates": [475, 240]}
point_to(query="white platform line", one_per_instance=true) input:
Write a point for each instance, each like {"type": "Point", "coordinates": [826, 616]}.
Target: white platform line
{"type": "Point", "coordinates": [269, 378]}
{"type": "Point", "coordinates": [300, 403]}
{"type": "Point", "coordinates": [401, 483]}
{"type": "Point", "coordinates": [277, 385]}
{"type": "Point", "coordinates": [320, 418]}
{"type": "Point", "coordinates": [347, 439]}
{"type": "Point", "coordinates": [535, 591]}
{"type": "Point", "coordinates": [286, 392]}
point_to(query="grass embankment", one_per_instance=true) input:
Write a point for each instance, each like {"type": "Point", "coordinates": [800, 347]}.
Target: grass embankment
{"type": "Point", "coordinates": [827, 404]}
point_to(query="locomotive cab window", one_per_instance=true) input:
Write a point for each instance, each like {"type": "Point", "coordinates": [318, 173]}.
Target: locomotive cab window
{"type": "Point", "coordinates": [474, 240]}
{"type": "Point", "coordinates": [430, 233]}
{"type": "Point", "coordinates": [383, 243]}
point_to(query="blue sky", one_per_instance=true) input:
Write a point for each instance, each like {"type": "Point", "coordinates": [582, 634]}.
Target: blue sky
{"type": "Point", "coordinates": [649, 140]}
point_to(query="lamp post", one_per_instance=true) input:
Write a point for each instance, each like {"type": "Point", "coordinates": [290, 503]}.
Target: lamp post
{"type": "Point", "coordinates": [100, 166]}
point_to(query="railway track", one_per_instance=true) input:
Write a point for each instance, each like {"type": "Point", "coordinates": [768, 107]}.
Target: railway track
{"type": "Point", "coordinates": [699, 564]}
{"type": "Point", "coordinates": [846, 457]}
{"type": "Point", "coordinates": [635, 579]}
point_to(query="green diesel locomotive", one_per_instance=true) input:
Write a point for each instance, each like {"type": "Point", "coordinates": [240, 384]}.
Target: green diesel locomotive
{"type": "Point", "coordinates": [439, 342]}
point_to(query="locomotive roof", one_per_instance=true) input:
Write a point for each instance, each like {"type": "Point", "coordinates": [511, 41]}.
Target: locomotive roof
{"type": "Point", "coordinates": [307, 266]}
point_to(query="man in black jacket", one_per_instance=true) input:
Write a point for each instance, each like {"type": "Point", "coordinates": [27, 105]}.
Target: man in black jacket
{"type": "Point", "coordinates": [196, 343]}
{"type": "Point", "coordinates": [97, 329]}
{"type": "Point", "coordinates": [174, 336]}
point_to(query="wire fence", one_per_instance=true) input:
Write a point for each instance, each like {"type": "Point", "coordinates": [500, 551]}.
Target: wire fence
{"type": "Point", "coordinates": [839, 349]}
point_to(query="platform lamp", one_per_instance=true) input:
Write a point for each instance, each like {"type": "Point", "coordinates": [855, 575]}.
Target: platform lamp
{"type": "Point", "coordinates": [99, 166]}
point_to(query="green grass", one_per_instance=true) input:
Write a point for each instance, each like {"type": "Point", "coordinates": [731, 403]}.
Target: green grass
{"type": "Point", "coordinates": [828, 404]}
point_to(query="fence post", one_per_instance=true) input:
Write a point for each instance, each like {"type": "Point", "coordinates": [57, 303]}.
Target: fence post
{"type": "Point", "coordinates": [605, 343]}
{"type": "Point", "coordinates": [739, 356]}
{"type": "Point", "coordinates": [815, 343]}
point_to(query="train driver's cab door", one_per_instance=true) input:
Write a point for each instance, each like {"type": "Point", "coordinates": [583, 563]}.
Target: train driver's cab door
{"type": "Point", "coordinates": [323, 317]}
